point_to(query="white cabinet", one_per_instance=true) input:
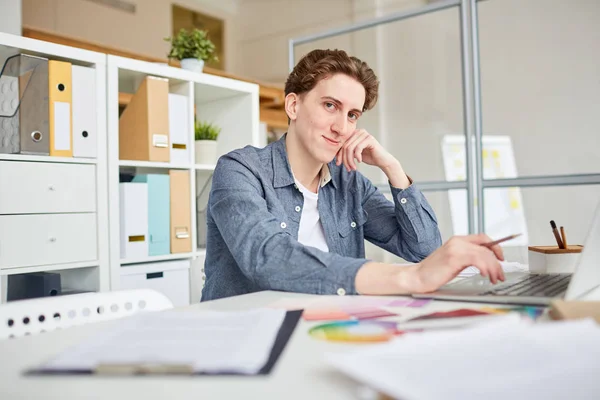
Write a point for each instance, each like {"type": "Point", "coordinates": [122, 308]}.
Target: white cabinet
{"type": "Point", "coordinates": [171, 278]}
{"type": "Point", "coordinates": [54, 209]}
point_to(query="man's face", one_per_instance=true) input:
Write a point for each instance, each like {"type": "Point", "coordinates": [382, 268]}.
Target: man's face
{"type": "Point", "coordinates": [327, 115]}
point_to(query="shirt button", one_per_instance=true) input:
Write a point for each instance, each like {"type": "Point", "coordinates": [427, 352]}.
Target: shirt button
{"type": "Point", "coordinates": [403, 200]}
{"type": "Point", "coordinates": [341, 292]}
{"type": "Point", "coordinates": [298, 209]}
{"type": "Point", "coordinates": [353, 224]}
{"type": "Point", "coordinates": [283, 225]}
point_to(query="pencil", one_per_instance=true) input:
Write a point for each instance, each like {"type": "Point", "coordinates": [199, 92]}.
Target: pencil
{"type": "Point", "coordinates": [564, 237]}
{"type": "Point", "coordinates": [504, 239]}
{"type": "Point", "coordinates": [557, 235]}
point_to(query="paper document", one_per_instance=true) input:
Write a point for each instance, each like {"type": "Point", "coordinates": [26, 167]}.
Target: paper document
{"type": "Point", "coordinates": [552, 360]}
{"type": "Point", "coordinates": [208, 342]}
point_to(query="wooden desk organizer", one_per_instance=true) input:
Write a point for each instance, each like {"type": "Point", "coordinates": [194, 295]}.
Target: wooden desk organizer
{"type": "Point", "coordinates": [551, 259]}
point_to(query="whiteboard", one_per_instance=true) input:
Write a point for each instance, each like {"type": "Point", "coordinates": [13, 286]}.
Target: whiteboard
{"type": "Point", "coordinates": [503, 207]}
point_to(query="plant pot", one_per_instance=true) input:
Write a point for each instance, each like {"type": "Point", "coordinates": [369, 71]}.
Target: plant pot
{"type": "Point", "coordinates": [206, 151]}
{"type": "Point", "coordinates": [192, 64]}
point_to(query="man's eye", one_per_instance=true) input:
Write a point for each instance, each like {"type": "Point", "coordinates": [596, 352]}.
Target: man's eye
{"type": "Point", "coordinates": [353, 116]}
{"type": "Point", "coordinates": [329, 105]}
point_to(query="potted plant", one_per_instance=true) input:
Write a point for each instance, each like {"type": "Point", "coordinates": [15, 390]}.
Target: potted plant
{"type": "Point", "coordinates": [192, 49]}
{"type": "Point", "coordinates": [205, 135]}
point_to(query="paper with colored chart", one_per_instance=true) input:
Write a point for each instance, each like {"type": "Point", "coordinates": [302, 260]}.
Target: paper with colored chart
{"type": "Point", "coordinates": [341, 308]}
{"type": "Point", "coordinates": [465, 317]}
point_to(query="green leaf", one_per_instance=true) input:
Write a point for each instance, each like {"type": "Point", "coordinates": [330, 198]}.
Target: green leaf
{"type": "Point", "coordinates": [194, 44]}
{"type": "Point", "coordinates": [206, 131]}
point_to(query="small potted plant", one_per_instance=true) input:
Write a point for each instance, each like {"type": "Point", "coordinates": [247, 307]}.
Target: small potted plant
{"type": "Point", "coordinates": [192, 49]}
{"type": "Point", "coordinates": [205, 135]}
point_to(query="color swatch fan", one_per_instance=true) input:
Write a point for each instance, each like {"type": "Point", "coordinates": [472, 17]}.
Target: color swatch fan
{"type": "Point", "coordinates": [355, 331]}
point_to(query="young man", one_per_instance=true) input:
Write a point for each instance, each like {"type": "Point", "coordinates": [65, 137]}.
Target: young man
{"type": "Point", "coordinates": [293, 216]}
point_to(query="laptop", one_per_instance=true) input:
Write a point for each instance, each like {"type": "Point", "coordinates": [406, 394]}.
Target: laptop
{"type": "Point", "coordinates": [529, 288]}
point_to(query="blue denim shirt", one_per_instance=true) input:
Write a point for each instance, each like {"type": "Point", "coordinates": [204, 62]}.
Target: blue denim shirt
{"type": "Point", "coordinates": [253, 216]}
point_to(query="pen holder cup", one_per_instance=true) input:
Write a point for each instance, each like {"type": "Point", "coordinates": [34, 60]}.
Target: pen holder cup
{"type": "Point", "coordinates": [551, 259]}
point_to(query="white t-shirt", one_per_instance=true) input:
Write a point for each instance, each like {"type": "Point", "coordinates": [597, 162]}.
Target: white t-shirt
{"type": "Point", "coordinates": [310, 232]}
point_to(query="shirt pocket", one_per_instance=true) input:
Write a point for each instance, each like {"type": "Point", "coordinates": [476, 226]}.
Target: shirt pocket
{"type": "Point", "coordinates": [352, 222]}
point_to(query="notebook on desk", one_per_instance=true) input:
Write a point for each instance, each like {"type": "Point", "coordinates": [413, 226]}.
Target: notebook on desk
{"type": "Point", "coordinates": [529, 288]}
{"type": "Point", "coordinates": [181, 343]}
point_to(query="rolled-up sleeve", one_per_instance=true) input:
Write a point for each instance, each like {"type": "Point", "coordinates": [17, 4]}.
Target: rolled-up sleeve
{"type": "Point", "coordinates": [406, 227]}
{"type": "Point", "coordinates": [266, 253]}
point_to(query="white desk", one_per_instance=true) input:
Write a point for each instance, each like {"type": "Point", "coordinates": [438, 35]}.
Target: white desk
{"type": "Point", "coordinates": [299, 373]}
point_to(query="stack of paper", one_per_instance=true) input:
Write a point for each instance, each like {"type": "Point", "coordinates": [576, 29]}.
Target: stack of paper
{"type": "Point", "coordinates": [200, 342]}
{"type": "Point", "coordinates": [510, 360]}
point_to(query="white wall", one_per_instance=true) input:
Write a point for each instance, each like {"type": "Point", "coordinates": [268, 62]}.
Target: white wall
{"type": "Point", "coordinates": [10, 16]}
{"type": "Point", "coordinates": [140, 33]}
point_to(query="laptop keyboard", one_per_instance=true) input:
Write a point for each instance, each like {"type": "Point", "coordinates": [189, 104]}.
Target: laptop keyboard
{"type": "Point", "coordinates": [536, 285]}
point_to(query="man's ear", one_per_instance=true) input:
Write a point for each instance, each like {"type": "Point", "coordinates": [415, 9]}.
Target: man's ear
{"type": "Point", "coordinates": [291, 106]}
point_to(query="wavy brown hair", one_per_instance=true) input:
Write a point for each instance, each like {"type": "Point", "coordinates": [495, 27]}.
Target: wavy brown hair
{"type": "Point", "coordinates": [320, 64]}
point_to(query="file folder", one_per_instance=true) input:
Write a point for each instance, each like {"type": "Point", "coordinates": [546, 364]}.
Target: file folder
{"type": "Point", "coordinates": [158, 213]}
{"type": "Point", "coordinates": [181, 212]}
{"type": "Point", "coordinates": [24, 108]}
{"type": "Point", "coordinates": [9, 106]}
{"type": "Point", "coordinates": [179, 128]}
{"type": "Point", "coordinates": [284, 333]}
{"type": "Point", "coordinates": [144, 124]}
{"type": "Point", "coordinates": [84, 112]}
{"type": "Point", "coordinates": [60, 94]}
{"type": "Point", "coordinates": [133, 212]}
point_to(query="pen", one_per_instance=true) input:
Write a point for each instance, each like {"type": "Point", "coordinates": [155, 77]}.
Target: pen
{"type": "Point", "coordinates": [504, 239]}
{"type": "Point", "coordinates": [564, 237]}
{"type": "Point", "coordinates": [556, 235]}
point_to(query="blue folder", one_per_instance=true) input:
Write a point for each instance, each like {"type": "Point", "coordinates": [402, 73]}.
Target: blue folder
{"type": "Point", "coordinates": [159, 213]}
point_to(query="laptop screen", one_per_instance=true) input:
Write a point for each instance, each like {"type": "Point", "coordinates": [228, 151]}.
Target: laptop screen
{"type": "Point", "coordinates": [587, 272]}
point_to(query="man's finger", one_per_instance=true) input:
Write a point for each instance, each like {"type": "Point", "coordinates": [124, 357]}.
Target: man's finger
{"type": "Point", "coordinates": [360, 148]}
{"type": "Point", "coordinates": [350, 149]}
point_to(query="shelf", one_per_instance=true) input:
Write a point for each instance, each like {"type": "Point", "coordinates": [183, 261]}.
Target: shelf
{"type": "Point", "coordinates": [43, 48]}
{"type": "Point", "coordinates": [152, 164]}
{"type": "Point", "coordinates": [45, 268]}
{"type": "Point", "coordinates": [148, 259]}
{"type": "Point", "coordinates": [25, 157]}
{"type": "Point", "coordinates": [213, 87]}
{"type": "Point", "coordinates": [204, 167]}
{"type": "Point", "coordinates": [145, 268]}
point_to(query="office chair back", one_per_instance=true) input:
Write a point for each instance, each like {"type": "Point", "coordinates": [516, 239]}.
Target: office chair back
{"type": "Point", "coordinates": [29, 317]}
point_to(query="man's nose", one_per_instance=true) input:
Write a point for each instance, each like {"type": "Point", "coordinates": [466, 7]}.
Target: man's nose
{"type": "Point", "coordinates": [340, 126]}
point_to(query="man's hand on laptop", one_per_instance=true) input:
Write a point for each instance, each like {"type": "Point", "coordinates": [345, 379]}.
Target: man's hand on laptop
{"type": "Point", "coordinates": [456, 254]}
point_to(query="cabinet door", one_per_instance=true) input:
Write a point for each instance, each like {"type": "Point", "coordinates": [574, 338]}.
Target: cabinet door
{"type": "Point", "coordinates": [29, 240]}
{"type": "Point", "coordinates": [40, 187]}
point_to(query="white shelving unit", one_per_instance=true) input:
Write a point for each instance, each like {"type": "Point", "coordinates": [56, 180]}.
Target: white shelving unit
{"type": "Point", "coordinates": [92, 275]}
{"type": "Point", "coordinates": [233, 105]}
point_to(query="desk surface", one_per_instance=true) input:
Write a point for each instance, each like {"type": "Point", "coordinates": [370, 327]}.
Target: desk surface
{"type": "Point", "coordinates": [300, 373]}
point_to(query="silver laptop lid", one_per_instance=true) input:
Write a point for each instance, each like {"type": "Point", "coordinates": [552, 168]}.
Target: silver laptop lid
{"type": "Point", "coordinates": [587, 272]}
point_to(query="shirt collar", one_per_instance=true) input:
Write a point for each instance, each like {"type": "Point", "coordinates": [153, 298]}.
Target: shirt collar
{"type": "Point", "coordinates": [282, 171]}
